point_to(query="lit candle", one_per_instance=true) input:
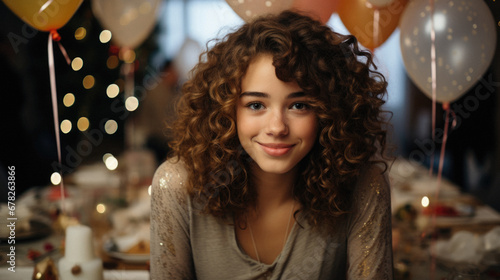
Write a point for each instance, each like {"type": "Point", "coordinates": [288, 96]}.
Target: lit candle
{"type": "Point", "coordinates": [422, 219]}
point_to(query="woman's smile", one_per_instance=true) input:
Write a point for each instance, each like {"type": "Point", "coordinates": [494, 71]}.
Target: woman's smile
{"type": "Point", "coordinates": [276, 125]}
{"type": "Point", "coordinates": [276, 150]}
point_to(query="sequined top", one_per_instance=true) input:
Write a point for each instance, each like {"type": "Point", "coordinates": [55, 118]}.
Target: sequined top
{"type": "Point", "coordinates": [186, 244]}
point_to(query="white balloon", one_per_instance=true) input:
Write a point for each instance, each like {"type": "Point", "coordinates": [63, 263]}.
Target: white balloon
{"type": "Point", "coordinates": [130, 21]}
{"type": "Point", "coordinates": [380, 3]}
{"type": "Point", "coordinates": [187, 58]}
{"type": "Point", "coordinates": [249, 9]}
{"type": "Point", "coordinates": [465, 45]}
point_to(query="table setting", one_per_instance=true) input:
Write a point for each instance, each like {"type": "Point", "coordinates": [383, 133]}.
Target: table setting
{"type": "Point", "coordinates": [103, 232]}
{"type": "Point", "coordinates": [445, 235]}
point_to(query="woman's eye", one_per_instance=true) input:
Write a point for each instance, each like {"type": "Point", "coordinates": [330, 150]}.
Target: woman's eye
{"type": "Point", "coordinates": [300, 106]}
{"type": "Point", "coordinates": [255, 106]}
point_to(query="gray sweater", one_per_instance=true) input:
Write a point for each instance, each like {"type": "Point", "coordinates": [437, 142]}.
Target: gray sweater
{"type": "Point", "coordinates": [186, 244]}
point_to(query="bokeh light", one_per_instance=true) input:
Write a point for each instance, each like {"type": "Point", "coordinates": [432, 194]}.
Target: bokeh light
{"type": "Point", "coordinates": [112, 62]}
{"type": "Point", "coordinates": [105, 36]}
{"type": "Point", "coordinates": [66, 126]}
{"type": "Point", "coordinates": [112, 90]}
{"type": "Point", "coordinates": [132, 103]}
{"type": "Point", "coordinates": [80, 33]}
{"type": "Point", "coordinates": [425, 201]}
{"type": "Point", "coordinates": [111, 163]}
{"type": "Point", "coordinates": [77, 64]}
{"type": "Point", "coordinates": [55, 178]}
{"type": "Point", "coordinates": [69, 99]}
{"type": "Point", "coordinates": [83, 124]}
{"type": "Point", "coordinates": [111, 126]}
{"type": "Point", "coordinates": [88, 82]}
{"type": "Point", "coordinates": [127, 55]}
{"type": "Point", "coordinates": [100, 208]}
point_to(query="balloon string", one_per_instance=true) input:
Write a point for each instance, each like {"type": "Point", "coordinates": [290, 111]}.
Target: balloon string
{"type": "Point", "coordinates": [57, 38]}
{"type": "Point", "coordinates": [433, 80]}
{"type": "Point", "coordinates": [55, 111]}
{"type": "Point", "coordinates": [446, 106]}
{"type": "Point", "coordinates": [128, 72]}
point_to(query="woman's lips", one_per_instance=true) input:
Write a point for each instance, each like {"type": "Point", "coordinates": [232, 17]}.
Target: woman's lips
{"type": "Point", "coordinates": [276, 150]}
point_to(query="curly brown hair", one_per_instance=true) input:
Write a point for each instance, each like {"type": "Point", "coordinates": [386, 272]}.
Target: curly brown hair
{"type": "Point", "coordinates": [347, 94]}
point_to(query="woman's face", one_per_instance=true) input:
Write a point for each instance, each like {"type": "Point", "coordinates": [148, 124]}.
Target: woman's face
{"type": "Point", "coordinates": [275, 124]}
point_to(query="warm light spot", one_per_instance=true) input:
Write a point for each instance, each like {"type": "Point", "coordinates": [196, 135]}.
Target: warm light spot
{"type": "Point", "coordinates": [131, 103]}
{"type": "Point", "coordinates": [425, 201]}
{"type": "Point", "coordinates": [55, 178]}
{"type": "Point", "coordinates": [88, 82]}
{"type": "Point", "coordinates": [80, 33]}
{"type": "Point", "coordinates": [69, 99]}
{"type": "Point", "coordinates": [149, 189]}
{"type": "Point", "coordinates": [112, 90]}
{"type": "Point", "coordinates": [66, 126]}
{"type": "Point", "coordinates": [106, 156]}
{"type": "Point", "coordinates": [145, 8]}
{"type": "Point", "coordinates": [127, 55]}
{"type": "Point", "coordinates": [112, 62]}
{"type": "Point", "coordinates": [38, 275]}
{"type": "Point", "coordinates": [111, 163]}
{"type": "Point", "coordinates": [101, 208]}
{"type": "Point", "coordinates": [77, 63]}
{"type": "Point", "coordinates": [83, 124]}
{"type": "Point", "coordinates": [105, 36]}
{"type": "Point", "coordinates": [111, 126]}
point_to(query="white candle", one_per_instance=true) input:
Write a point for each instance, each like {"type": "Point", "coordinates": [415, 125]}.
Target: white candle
{"type": "Point", "coordinates": [79, 262]}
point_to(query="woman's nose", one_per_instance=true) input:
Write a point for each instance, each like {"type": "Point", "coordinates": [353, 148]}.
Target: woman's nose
{"type": "Point", "coordinates": [278, 125]}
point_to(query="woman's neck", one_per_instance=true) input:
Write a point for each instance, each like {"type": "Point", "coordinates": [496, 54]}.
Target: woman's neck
{"type": "Point", "coordinates": [273, 190]}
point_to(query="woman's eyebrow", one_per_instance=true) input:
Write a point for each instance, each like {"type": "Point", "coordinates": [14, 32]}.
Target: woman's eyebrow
{"type": "Point", "coordinates": [266, 95]}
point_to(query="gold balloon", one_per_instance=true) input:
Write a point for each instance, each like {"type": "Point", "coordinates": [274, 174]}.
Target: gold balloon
{"type": "Point", "coordinates": [44, 15]}
{"type": "Point", "coordinates": [358, 17]}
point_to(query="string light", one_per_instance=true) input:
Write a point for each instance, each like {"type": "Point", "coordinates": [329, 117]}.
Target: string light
{"type": "Point", "coordinates": [112, 62]}
{"type": "Point", "coordinates": [55, 178]}
{"type": "Point", "coordinates": [111, 162]}
{"type": "Point", "coordinates": [69, 99]}
{"type": "Point", "coordinates": [88, 82]}
{"type": "Point", "coordinates": [132, 103]}
{"type": "Point", "coordinates": [111, 126]}
{"type": "Point", "coordinates": [77, 64]}
{"type": "Point", "coordinates": [105, 36]}
{"type": "Point", "coordinates": [80, 33]}
{"type": "Point", "coordinates": [112, 90]}
{"type": "Point", "coordinates": [83, 124]}
{"type": "Point", "coordinates": [425, 201]}
{"type": "Point", "coordinates": [106, 156]}
{"type": "Point", "coordinates": [100, 208]}
{"type": "Point", "coordinates": [66, 126]}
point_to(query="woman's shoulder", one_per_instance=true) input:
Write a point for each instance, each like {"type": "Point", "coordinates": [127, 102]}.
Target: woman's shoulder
{"type": "Point", "coordinates": [171, 175]}
{"type": "Point", "coordinates": [373, 177]}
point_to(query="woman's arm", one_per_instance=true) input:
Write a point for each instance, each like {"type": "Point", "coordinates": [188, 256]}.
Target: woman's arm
{"type": "Point", "coordinates": [370, 235]}
{"type": "Point", "coordinates": [171, 256]}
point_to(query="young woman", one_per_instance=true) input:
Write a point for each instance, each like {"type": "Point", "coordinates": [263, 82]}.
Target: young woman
{"type": "Point", "coordinates": [277, 170]}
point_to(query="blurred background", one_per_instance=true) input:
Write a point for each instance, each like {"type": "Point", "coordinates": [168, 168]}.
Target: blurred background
{"type": "Point", "coordinates": [97, 120]}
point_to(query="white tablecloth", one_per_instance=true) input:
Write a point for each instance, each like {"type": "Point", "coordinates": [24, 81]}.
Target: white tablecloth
{"type": "Point", "coordinates": [25, 273]}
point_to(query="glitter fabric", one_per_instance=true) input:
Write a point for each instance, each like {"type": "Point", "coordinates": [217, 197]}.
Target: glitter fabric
{"type": "Point", "coordinates": [189, 245]}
